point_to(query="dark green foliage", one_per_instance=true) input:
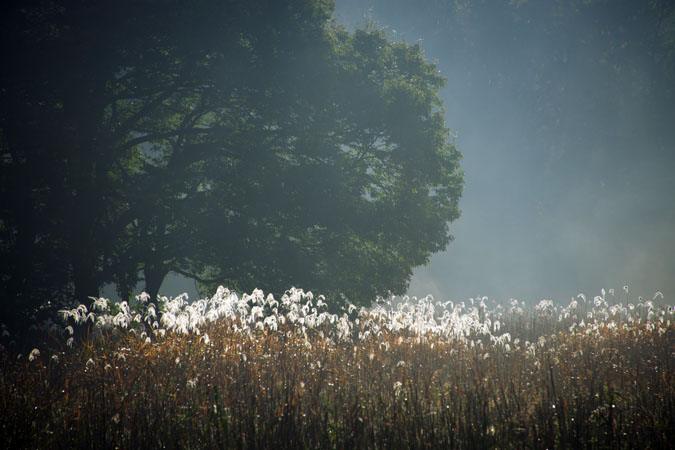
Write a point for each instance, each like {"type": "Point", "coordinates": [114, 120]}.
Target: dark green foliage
{"type": "Point", "coordinates": [252, 144]}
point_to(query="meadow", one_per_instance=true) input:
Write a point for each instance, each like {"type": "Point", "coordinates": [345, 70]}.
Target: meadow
{"type": "Point", "coordinates": [254, 371]}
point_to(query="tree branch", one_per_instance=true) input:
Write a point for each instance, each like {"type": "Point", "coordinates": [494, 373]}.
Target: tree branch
{"type": "Point", "coordinates": [166, 134]}
{"type": "Point", "coordinates": [149, 105]}
{"type": "Point", "coordinates": [194, 277]}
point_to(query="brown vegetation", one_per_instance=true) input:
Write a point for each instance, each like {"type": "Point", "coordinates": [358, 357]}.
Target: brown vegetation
{"type": "Point", "coordinates": [606, 385]}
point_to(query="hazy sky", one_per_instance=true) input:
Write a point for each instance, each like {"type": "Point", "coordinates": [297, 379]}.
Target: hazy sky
{"type": "Point", "coordinates": [565, 113]}
{"type": "Point", "coordinates": [566, 120]}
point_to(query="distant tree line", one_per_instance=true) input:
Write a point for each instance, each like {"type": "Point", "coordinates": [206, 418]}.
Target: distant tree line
{"type": "Point", "coordinates": [251, 144]}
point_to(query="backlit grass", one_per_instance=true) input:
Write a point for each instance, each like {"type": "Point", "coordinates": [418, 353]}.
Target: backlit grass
{"type": "Point", "coordinates": [258, 372]}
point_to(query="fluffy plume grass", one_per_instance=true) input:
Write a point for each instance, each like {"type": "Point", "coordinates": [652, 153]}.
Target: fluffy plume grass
{"type": "Point", "coordinates": [259, 372]}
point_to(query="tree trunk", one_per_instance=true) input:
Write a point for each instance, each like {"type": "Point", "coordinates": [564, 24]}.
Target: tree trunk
{"type": "Point", "coordinates": [154, 276]}
{"type": "Point", "coordinates": [85, 280]}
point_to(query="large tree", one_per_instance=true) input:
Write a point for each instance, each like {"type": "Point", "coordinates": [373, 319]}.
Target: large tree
{"type": "Point", "coordinates": [252, 144]}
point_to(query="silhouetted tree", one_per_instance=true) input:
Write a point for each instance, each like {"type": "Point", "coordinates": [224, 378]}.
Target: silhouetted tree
{"type": "Point", "coordinates": [252, 144]}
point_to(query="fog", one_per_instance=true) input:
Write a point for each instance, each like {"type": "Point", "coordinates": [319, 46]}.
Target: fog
{"type": "Point", "coordinates": [565, 116]}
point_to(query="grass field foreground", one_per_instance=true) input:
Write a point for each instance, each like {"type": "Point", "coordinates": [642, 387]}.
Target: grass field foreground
{"type": "Point", "coordinates": [256, 372]}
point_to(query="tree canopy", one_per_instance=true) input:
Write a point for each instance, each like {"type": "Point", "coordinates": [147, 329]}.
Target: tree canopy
{"type": "Point", "coordinates": [250, 144]}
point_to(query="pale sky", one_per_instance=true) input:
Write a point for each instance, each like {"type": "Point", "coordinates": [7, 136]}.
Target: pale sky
{"type": "Point", "coordinates": [568, 144]}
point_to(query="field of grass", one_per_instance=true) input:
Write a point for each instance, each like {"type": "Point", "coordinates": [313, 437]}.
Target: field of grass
{"type": "Point", "coordinates": [256, 372]}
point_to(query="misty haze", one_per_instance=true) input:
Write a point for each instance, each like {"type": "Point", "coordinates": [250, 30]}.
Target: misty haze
{"type": "Point", "coordinates": [565, 116]}
{"type": "Point", "coordinates": [350, 225]}
{"type": "Point", "coordinates": [564, 113]}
